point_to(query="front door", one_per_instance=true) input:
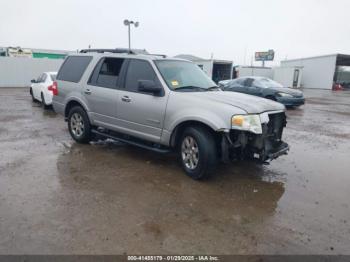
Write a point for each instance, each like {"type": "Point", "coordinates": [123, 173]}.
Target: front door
{"type": "Point", "coordinates": [101, 92]}
{"type": "Point", "coordinates": [141, 114]}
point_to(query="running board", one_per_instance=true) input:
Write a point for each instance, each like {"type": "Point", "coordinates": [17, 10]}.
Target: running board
{"type": "Point", "coordinates": [133, 143]}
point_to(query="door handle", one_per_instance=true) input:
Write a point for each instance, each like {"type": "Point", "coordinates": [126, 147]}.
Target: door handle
{"type": "Point", "coordinates": [87, 91]}
{"type": "Point", "coordinates": [126, 99]}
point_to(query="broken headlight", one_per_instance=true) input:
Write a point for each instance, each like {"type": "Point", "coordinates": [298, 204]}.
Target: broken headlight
{"type": "Point", "coordinates": [250, 123]}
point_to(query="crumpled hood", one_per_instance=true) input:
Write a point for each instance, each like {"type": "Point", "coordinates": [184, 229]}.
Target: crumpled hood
{"type": "Point", "coordinates": [250, 104]}
{"type": "Point", "coordinates": [287, 90]}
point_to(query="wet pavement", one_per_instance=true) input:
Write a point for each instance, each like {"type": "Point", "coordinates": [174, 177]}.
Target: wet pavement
{"type": "Point", "coordinates": [58, 197]}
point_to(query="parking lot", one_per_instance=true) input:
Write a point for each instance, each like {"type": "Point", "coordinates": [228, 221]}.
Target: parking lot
{"type": "Point", "coordinates": [59, 197]}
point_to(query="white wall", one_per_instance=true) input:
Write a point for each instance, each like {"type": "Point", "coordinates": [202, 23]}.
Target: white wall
{"type": "Point", "coordinates": [254, 71]}
{"type": "Point", "coordinates": [285, 76]}
{"type": "Point", "coordinates": [18, 71]}
{"type": "Point", "coordinates": [318, 72]}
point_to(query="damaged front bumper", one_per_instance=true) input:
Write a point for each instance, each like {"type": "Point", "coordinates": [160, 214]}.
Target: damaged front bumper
{"type": "Point", "coordinates": [264, 147]}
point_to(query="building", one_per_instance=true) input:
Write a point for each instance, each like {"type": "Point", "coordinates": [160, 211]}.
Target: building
{"type": "Point", "coordinates": [216, 69]}
{"type": "Point", "coordinates": [33, 52]}
{"type": "Point", "coordinates": [241, 71]}
{"type": "Point", "coordinates": [322, 71]}
{"type": "Point", "coordinates": [18, 66]}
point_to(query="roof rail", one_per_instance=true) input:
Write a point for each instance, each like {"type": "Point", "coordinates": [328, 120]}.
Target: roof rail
{"type": "Point", "coordinates": [116, 50]}
{"type": "Point", "coordinates": [121, 50]}
{"type": "Point", "coordinates": [164, 56]}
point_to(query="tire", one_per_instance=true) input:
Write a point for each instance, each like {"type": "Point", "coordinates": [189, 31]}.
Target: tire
{"type": "Point", "coordinates": [43, 103]}
{"type": "Point", "coordinates": [197, 152]}
{"type": "Point", "coordinates": [31, 94]}
{"type": "Point", "coordinates": [81, 133]}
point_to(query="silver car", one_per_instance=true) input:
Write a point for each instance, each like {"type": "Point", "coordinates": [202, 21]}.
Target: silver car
{"type": "Point", "coordinates": [165, 104]}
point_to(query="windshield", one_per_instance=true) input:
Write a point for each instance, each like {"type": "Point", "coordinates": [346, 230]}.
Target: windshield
{"type": "Point", "coordinates": [267, 82]}
{"type": "Point", "coordinates": [183, 74]}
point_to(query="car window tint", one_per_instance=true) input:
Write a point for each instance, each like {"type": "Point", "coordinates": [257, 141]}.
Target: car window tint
{"type": "Point", "coordinates": [39, 78]}
{"type": "Point", "coordinates": [138, 70]}
{"type": "Point", "coordinates": [43, 78]}
{"type": "Point", "coordinates": [258, 83]}
{"type": "Point", "coordinates": [73, 68]}
{"type": "Point", "coordinates": [237, 83]}
{"type": "Point", "coordinates": [249, 82]}
{"type": "Point", "coordinates": [109, 72]}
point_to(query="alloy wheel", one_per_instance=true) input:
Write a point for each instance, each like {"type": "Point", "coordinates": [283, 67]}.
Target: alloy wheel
{"type": "Point", "coordinates": [77, 124]}
{"type": "Point", "coordinates": [190, 152]}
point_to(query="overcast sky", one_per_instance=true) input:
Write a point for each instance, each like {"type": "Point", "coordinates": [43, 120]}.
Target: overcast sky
{"type": "Point", "coordinates": [230, 29]}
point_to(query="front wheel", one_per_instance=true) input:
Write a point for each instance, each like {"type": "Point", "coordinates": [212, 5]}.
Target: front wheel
{"type": "Point", "coordinates": [79, 125]}
{"type": "Point", "coordinates": [198, 152]}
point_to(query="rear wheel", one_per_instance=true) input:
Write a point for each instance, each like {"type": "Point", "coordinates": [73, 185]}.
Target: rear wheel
{"type": "Point", "coordinates": [43, 102]}
{"type": "Point", "coordinates": [198, 152]}
{"type": "Point", "coordinates": [31, 94]}
{"type": "Point", "coordinates": [79, 125]}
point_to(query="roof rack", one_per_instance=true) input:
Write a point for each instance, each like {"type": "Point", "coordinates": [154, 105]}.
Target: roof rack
{"type": "Point", "coordinates": [164, 56]}
{"type": "Point", "coordinates": [116, 50]}
{"type": "Point", "coordinates": [120, 51]}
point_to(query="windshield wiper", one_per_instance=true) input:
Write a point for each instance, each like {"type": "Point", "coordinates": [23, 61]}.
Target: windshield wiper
{"type": "Point", "coordinates": [213, 88]}
{"type": "Point", "coordinates": [190, 87]}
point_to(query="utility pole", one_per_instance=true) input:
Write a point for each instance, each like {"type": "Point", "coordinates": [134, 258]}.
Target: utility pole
{"type": "Point", "coordinates": [128, 23]}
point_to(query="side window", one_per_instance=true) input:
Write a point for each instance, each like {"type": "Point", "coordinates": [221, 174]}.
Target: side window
{"type": "Point", "coordinates": [43, 78]}
{"type": "Point", "coordinates": [249, 82]}
{"type": "Point", "coordinates": [108, 72]}
{"type": "Point", "coordinates": [237, 83]}
{"type": "Point", "coordinates": [39, 78]}
{"type": "Point", "coordinates": [257, 83]}
{"type": "Point", "coordinates": [73, 68]}
{"type": "Point", "coordinates": [138, 70]}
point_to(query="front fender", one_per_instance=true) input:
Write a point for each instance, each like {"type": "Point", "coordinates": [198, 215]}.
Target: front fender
{"type": "Point", "coordinates": [204, 116]}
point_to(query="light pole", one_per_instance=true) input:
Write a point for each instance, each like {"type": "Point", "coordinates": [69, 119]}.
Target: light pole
{"type": "Point", "coordinates": [128, 23]}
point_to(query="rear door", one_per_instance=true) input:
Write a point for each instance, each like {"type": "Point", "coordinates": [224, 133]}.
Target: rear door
{"type": "Point", "coordinates": [141, 114]}
{"type": "Point", "coordinates": [101, 91]}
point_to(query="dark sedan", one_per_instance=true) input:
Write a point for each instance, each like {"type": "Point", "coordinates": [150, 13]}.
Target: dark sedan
{"type": "Point", "coordinates": [264, 87]}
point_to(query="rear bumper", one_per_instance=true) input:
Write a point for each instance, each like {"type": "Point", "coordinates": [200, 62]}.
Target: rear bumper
{"type": "Point", "coordinates": [291, 101]}
{"type": "Point", "coordinates": [58, 107]}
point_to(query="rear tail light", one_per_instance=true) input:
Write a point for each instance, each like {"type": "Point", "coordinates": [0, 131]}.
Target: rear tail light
{"type": "Point", "coordinates": [53, 88]}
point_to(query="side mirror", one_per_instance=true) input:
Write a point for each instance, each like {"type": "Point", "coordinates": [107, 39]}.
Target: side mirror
{"type": "Point", "coordinates": [149, 86]}
{"type": "Point", "coordinates": [33, 81]}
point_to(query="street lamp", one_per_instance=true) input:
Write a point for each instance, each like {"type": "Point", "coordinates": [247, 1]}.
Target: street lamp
{"type": "Point", "coordinates": [128, 23]}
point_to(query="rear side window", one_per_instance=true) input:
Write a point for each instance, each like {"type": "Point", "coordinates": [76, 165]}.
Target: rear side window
{"type": "Point", "coordinates": [73, 68]}
{"type": "Point", "coordinates": [138, 70]}
{"type": "Point", "coordinates": [107, 72]}
{"type": "Point", "coordinates": [43, 78]}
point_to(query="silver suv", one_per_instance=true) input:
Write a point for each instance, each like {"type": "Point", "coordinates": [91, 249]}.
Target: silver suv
{"type": "Point", "coordinates": [165, 104]}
